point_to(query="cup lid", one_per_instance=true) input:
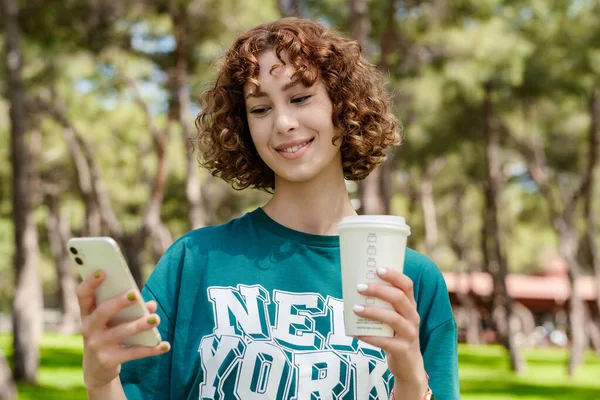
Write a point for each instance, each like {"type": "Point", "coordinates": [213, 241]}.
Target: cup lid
{"type": "Point", "coordinates": [374, 221]}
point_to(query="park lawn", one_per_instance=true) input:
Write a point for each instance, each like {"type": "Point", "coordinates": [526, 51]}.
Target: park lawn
{"type": "Point", "coordinates": [484, 373]}
{"type": "Point", "coordinates": [60, 376]}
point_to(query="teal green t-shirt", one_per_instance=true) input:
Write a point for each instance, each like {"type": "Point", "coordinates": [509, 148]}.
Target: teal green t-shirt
{"type": "Point", "coordinates": [253, 310]}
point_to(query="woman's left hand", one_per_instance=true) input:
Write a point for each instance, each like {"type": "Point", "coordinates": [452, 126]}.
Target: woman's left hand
{"type": "Point", "coordinates": [403, 352]}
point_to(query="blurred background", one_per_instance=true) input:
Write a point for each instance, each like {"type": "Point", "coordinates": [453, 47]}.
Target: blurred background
{"type": "Point", "coordinates": [497, 175]}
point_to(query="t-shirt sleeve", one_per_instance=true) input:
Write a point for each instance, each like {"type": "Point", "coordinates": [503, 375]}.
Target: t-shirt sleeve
{"type": "Point", "coordinates": [438, 332]}
{"type": "Point", "coordinates": [150, 378]}
{"type": "Point", "coordinates": [441, 361]}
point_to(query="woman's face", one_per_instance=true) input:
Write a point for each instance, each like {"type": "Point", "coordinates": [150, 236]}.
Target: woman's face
{"type": "Point", "coordinates": [290, 124]}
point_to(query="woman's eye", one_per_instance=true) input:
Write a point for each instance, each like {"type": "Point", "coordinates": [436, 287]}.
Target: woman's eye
{"type": "Point", "coordinates": [301, 99]}
{"type": "Point", "coordinates": [260, 110]}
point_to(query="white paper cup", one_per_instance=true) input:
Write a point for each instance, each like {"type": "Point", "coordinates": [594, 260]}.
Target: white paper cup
{"type": "Point", "coordinates": [368, 242]}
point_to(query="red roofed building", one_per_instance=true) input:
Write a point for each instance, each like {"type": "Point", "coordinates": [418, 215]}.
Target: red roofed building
{"type": "Point", "coordinates": [538, 293]}
{"type": "Point", "coordinates": [540, 298]}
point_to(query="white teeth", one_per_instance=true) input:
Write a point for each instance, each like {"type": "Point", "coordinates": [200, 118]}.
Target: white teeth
{"type": "Point", "coordinates": [294, 149]}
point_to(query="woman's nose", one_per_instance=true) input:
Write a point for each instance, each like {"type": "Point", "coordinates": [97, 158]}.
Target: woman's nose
{"type": "Point", "coordinates": [286, 122]}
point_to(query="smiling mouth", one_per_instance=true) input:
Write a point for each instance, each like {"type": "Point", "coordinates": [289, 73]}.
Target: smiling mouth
{"type": "Point", "coordinates": [294, 149]}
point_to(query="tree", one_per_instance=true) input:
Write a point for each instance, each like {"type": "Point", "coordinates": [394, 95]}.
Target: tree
{"type": "Point", "coordinates": [59, 231]}
{"type": "Point", "coordinates": [590, 216]}
{"type": "Point", "coordinates": [562, 214]}
{"type": "Point", "coordinates": [88, 172]}
{"type": "Point", "coordinates": [8, 390]}
{"type": "Point", "coordinates": [27, 306]}
{"type": "Point", "coordinates": [289, 8]}
{"type": "Point", "coordinates": [552, 93]}
{"type": "Point", "coordinates": [468, 65]}
{"type": "Point", "coordinates": [375, 189]}
{"type": "Point", "coordinates": [492, 241]}
{"type": "Point", "coordinates": [471, 316]}
{"type": "Point", "coordinates": [181, 18]}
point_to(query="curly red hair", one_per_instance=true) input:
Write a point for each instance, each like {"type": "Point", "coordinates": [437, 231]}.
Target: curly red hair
{"type": "Point", "coordinates": [361, 104]}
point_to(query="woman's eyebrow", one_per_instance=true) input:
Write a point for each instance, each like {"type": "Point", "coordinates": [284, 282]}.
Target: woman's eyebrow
{"type": "Point", "coordinates": [289, 85]}
{"type": "Point", "coordinates": [284, 88]}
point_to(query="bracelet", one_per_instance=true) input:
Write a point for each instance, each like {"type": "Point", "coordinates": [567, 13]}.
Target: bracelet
{"type": "Point", "coordinates": [428, 395]}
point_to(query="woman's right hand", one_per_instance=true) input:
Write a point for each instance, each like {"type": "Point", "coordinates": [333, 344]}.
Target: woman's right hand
{"type": "Point", "coordinates": [102, 352]}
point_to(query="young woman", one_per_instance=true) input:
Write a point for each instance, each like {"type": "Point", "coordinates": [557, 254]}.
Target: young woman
{"type": "Point", "coordinates": [252, 309]}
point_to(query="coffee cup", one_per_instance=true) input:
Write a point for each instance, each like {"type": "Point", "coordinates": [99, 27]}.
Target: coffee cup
{"type": "Point", "coordinates": [369, 242]}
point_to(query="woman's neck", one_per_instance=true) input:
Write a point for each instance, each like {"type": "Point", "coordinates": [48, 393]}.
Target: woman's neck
{"type": "Point", "coordinates": [312, 207]}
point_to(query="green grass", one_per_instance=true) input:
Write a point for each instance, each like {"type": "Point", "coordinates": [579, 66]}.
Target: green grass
{"type": "Point", "coordinates": [484, 373]}
{"type": "Point", "coordinates": [59, 377]}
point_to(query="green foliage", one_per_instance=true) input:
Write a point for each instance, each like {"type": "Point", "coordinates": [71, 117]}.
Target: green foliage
{"type": "Point", "coordinates": [539, 58]}
{"type": "Point", "coordinates": [485, 51]}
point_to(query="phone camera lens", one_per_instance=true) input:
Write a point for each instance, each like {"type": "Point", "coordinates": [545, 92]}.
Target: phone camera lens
{"type": "Point", "coordinates": [73, 250]}
{"type": "Point", "coordinates": [78, 260]}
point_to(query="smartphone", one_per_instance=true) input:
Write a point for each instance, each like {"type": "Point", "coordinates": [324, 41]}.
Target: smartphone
{"type": "Point", "coordinates": [93, 253]}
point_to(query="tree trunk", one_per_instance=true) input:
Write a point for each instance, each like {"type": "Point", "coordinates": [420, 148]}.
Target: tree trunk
{"type": "Point", "coordinates": [151, 223]}
{"type": "Point", "coordinates": [469, 304]}
{"type": "Point", "coordinates": [463, 269]}
{"type": "Point", "coordinates": [502, 303]}
{"type": "Point", "coordinates": [360, 24]}
{"type": "Point", "coordinates": [372, 201]}
{"type": "Point", "coordinates": [429, 213]}
{"type": "Point", "coordinates": [159, 233]}
{"type": "Point", "coordinates": [387, 47]}
{"type": "Point", "coordinates": [93, 226]}
{"type": "Point", "coordinates": [568, 241]}
{"type": "Point", "coordinates": [193, 186]}
{"type": "Point", "coordinates": [386, 183]}
{"type": "Point", "coordinates": [594, 331]}
{"type": "Point", "coordinates": [27, 306]}
{"type": "Point", "coordinates": [289, 8]}
{"type": "Point", "coordinates": [58, 233]}
{"type": "Point", "coordinates": [428, 202]}
{"type": "Point", "coordinates": [28, 303]}
{"type": "Point", "coordinates": [8, 390]}
{"type": "Point", "coordinates": [89, 182]}
{"type": "Point", "coordinates": [590, 216]}
{"type": "Point", "coordinates": [132, 246]}
{"type": "Point", "coordinates": [371, 195]}
{"type": "Point", "coordinates": [567, 248]}
{"type": "Point", "coordinates": [577, 308]}
{"type": "Point", "coordinates": [524, 318]}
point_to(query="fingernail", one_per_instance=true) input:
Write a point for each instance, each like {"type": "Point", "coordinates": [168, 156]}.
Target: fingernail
{"type": "Point", "coordinates": [359, 308]}
{"type": "Point", "coordinates": [97, 274]}
{"type": "Point", "coordinates": [152, 320]}
{"type": "Point", "coordinates": [361, 287]}
{"type": "Point", "coordinates": [131, 296]}
{"type": "Point", "coordinates": [165, 347]}
{"type": "Point", "coordinates": [382, 271]}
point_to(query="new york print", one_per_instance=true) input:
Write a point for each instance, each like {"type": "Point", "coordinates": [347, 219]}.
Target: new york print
{"type": "Point", "coordinates": [282, 345]}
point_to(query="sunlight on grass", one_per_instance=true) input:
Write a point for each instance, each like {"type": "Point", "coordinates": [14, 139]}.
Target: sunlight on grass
{"type": "Point", "coordinates": [60, 375]}
{"type": "Point", "coordinates": [484, 373]}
